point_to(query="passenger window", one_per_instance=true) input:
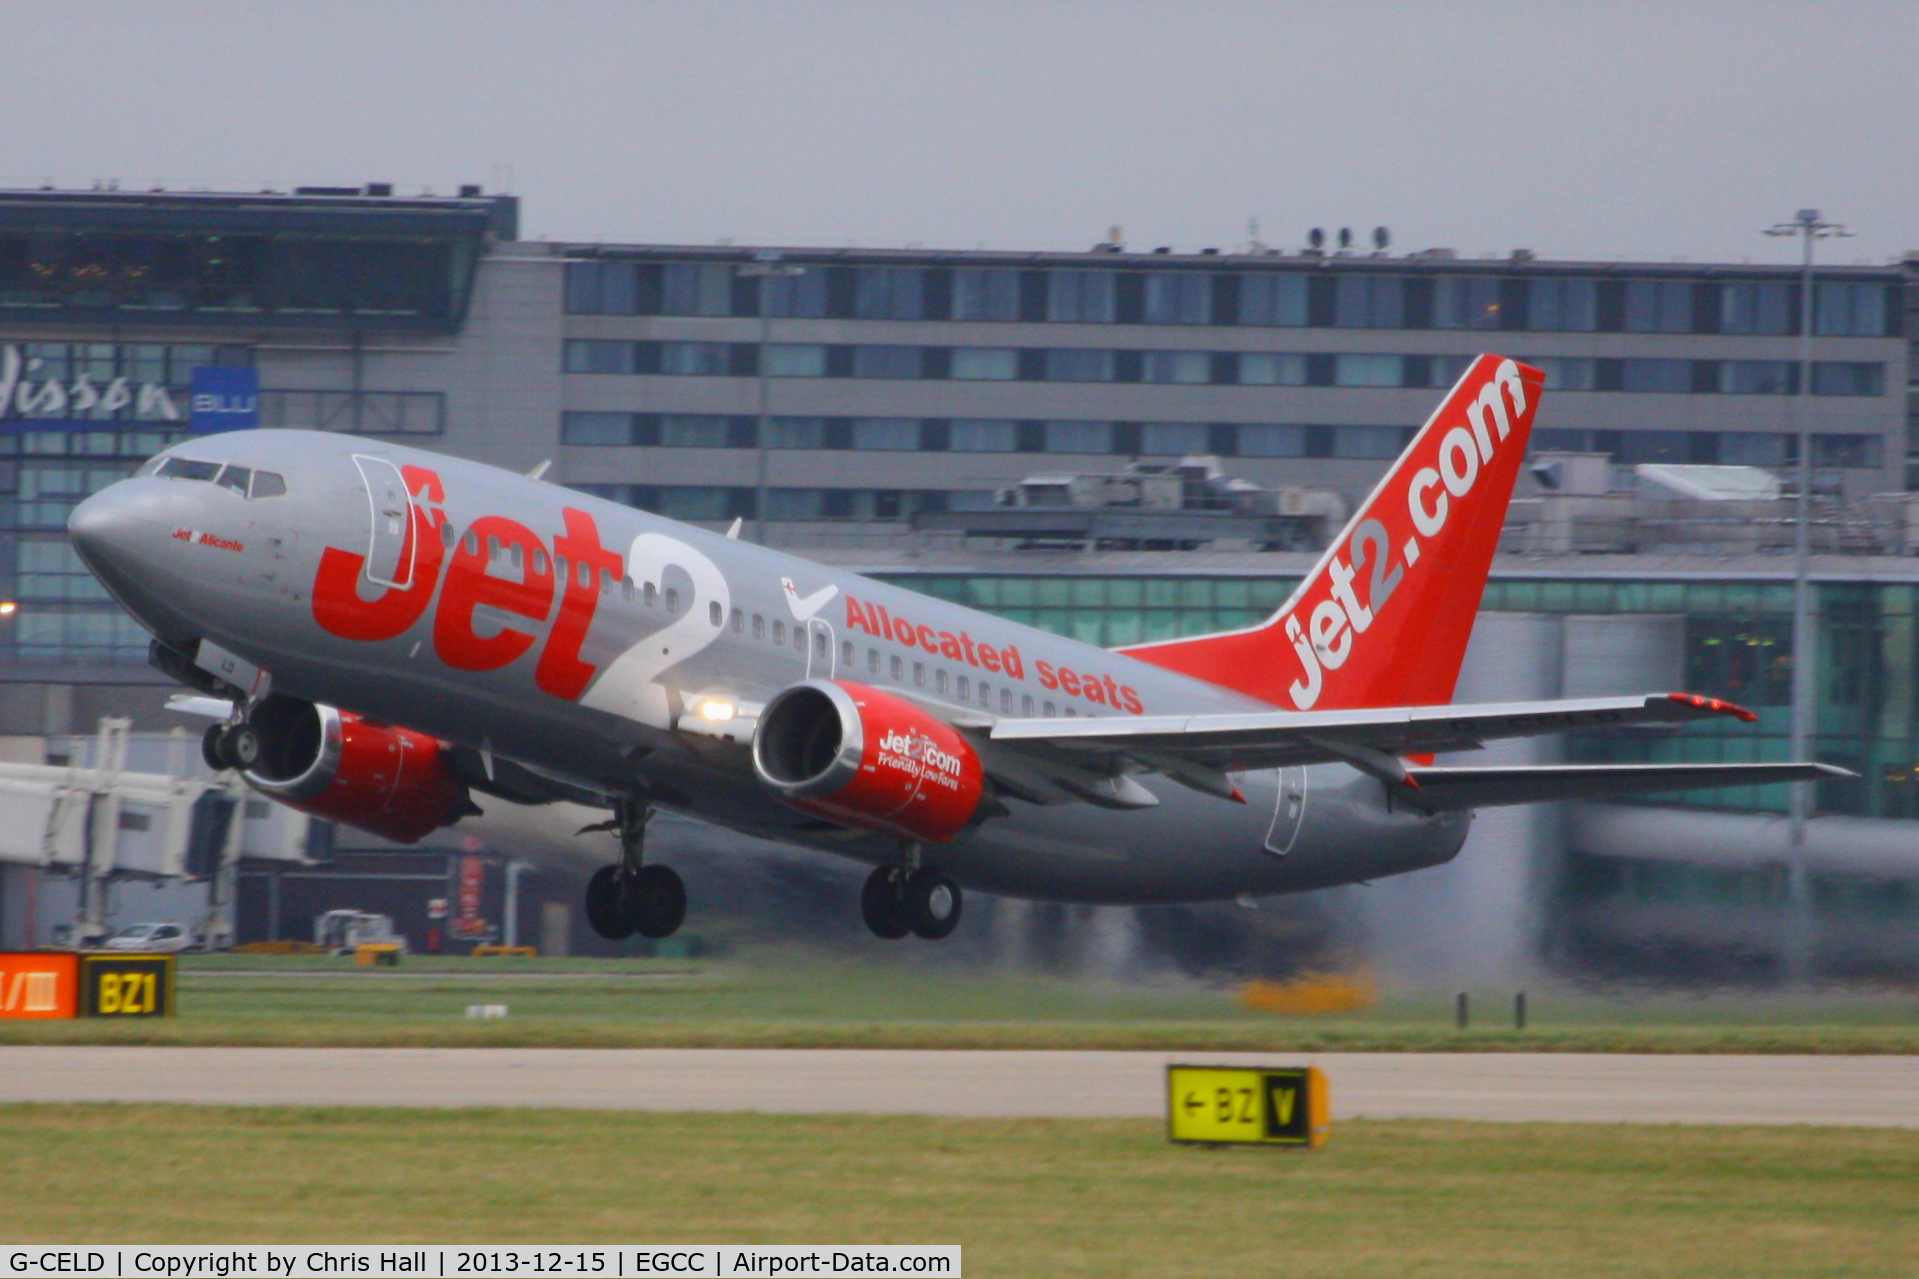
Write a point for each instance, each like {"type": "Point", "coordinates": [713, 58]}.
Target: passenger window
{"type": "Point", "coordinates": [1051, 710]}
{"type": "Point", "coordinates": [919, 674]}
{"type": "Point", "coordinates": [236, 478]}
{"type": "Point", "coordinates": [1006, 701]}
{"type": "Point", "coordinates": [963, 689]}
{"type": "Point", "coordinates": [586, 573]}
{"type": "Point", "coordinates": [269, 484]}
{"type": "Point", "coordinates": [181, 468]}
{"type": "Point", "coordinates": [559, 564]}
{"type": "Point", "coordinates": [820, 645]}
{"type": "Point", "coordinates": [872, 661]}
{"type": "Point", "coordinates": [516, 557]}
{"type": "Point", "coordinates": [447, 536]}
{"type": "Point", "coordinates": [650, 595]}
{"type": "Point", "coordinates": [759, 627]}
{"type": "Point", "coordinates": [1071, 713]}
{"type": "Point", "coordinates": [779, 634]}
{"type": "Point", "coordinates": [898, 669]}
{"type": "Point", "coordinates": [493, 550]}
{"type": "Point", "coordinates": [626, 588]}
{"type": "Point", "coordinates": [472, 542]}
{"type": "Point", "coordinates": [672, 602]}
{"type": "Point", "coordinates": [739, 621]}
{"type": "Point", "coordinates": [846, 653]}
{"type": "Point", "coordinates": [799, 640]}
{"type": "Point", "coordinates": [939, 680]}
{"type": "Point", "coordinates": [1026, 707]}
{"type": "Point", "coordinates": [715, 614]}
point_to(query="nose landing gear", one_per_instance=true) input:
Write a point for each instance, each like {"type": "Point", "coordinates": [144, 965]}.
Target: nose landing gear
{"type": "Point", "coordinates": [631, 897]}
{"type": "Point", "coordinates": [924, 901]}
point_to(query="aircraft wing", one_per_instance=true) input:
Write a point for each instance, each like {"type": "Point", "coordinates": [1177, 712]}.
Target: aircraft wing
{"type": "Point", "coordinates": [1199, 750]}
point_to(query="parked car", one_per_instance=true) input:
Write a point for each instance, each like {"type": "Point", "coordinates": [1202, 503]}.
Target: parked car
{"type": "Point", "coordinates": [150, 937]}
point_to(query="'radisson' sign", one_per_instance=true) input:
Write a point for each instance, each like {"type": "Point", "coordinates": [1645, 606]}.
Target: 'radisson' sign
{"type": "Point", "coordinates": [80, 401]}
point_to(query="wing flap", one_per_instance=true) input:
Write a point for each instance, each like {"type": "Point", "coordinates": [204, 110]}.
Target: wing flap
{"type": "Point", "coordinates": [1451, 789]}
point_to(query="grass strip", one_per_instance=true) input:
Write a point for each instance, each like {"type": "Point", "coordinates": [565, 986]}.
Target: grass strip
{"type": "Point", "coordinates": [1024, 1197]}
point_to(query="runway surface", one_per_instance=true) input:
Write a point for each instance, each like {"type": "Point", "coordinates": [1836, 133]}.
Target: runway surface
{"type": "Point", "coordinates": [1570, 1087]}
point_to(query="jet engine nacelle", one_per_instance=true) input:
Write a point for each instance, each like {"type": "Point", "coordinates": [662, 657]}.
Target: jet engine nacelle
{"type": "Point", "coordinates": [331, 763]}
{"type": "Point", "coordinates": [867, 758]}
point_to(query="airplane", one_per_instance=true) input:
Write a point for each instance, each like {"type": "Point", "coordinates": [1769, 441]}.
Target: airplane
{"type": "Point", "coordinates": [391, 633]}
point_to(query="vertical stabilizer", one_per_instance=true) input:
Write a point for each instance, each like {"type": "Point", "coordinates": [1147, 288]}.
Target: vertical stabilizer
{"type": "Point", "coordinates": [1383, 618]}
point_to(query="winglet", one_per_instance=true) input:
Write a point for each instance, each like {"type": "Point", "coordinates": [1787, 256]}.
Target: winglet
{"type": "Point", "coordinates": [1713, 705]}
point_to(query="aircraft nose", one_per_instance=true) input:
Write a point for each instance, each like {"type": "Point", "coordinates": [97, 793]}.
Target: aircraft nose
{"type": "Point", "coordinates": [104, 530]}
{"type": "Point", "coordinates": [123, 534]}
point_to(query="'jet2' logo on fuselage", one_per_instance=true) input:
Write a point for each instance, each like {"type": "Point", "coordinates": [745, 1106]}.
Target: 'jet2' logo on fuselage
{"type": "Point", "coordinates": [340, 609]}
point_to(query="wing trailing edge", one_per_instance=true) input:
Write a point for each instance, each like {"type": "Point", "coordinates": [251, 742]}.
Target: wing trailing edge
{"type": "Point", "coordinates": [1451, 789]}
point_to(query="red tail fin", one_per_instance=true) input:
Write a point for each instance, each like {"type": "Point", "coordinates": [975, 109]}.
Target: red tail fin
{"type": "Point", "coordinates": [1383, 618]}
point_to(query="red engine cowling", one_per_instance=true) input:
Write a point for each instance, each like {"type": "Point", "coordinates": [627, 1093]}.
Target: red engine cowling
{"type": "Point", "coordinates": [331, 763]}
{"type": "Point", "coordinates": [867, 758]}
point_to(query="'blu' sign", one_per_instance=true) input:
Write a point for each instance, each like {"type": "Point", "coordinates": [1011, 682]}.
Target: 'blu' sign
{"type": "Point", "coordinates": [223, 399]}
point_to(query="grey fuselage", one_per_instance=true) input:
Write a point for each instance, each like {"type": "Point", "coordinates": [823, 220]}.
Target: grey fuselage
{"type": "Point", "coordinates": [194, 561]}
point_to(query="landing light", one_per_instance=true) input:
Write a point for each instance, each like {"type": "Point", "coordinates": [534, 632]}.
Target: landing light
{"type": "Point", "coordinates": [716, 710]}
{"type": "Point", "coordinates": [8, 608]}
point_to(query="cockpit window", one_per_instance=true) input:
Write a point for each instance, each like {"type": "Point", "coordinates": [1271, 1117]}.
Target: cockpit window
{"type": "Point", "coordinates": [236, 478]}
{"type": "Point", "coordinates": [268, 484]}
{"type": "Point", "coordinates": [149, 466]}
{"type": "Point", "coordinates": [185, 468]}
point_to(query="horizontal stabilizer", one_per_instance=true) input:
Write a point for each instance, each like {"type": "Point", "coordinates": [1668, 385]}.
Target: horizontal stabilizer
{"type": "Point", "coordinates": [1448, 789]}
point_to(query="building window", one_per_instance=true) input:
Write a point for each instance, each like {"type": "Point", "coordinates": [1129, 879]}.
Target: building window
{"type": "Point", "coordinates": [786, 359]}
{"type": "Point", "coordinates": [594, 355]}
{"type": "Point", "coordinates": [1658, 306]}
{"type": "Point", "coordinates": [1444, 370]}
{"type": "Point", "coordinates": [1832, 378]}
{"type": "Point", "coordinates": [1187, 368]}
{"type": "Point", "coordinates": [796, 433]}
{"type": "Point", "coordinates": [602, 288]}
{"type": "Point", "coordinates": [1179, 297]}
{"type": "Point", "coordinates": [1654, 446]}
{"type": "Point", "coordinates": [1369, 302]}
{"type": "Point", "coordinates": [1370, 442]}
{"type": "Point", "coordinates": [794, 504]}
{"type": "Point", "coordinates": [1466, 302]}
{"type": "Point", "coordinates": [692, 503]}
{"type": "Point", "coordinates": [1271, 300]}
{"type": "Point", "coordinates": [886, 434]}
{"type": "Point", "coordinates": [692, 431]}
{"type": "Point", "coordinates": [889, 292]}
{"type": "Point", "coordinates": [1079, 297]}
{"type": "Point", "coordinates": [1077, 364]}
{"type": "Point", "coordinates": [1267, 369]}
{"type": "Point", "coordinates": [1174, 439]}
{"type": "Point", "coordinates": [1561, 306]}
{"type": "Point", "coordinates": [1754, 448]}
{"type": "Point", "coordinates": [985, 293]}
{"type": "Point", "coordinates": [1563, 373]}
{"type": "Point", "coordinates": [1759, 307]}
{"type": "Point", "coordinates": [1848, 310]}
{"type": "Point", "coordinates": [357, 412]}
{"type": "Point", "coordinates": [693, 359]}
{"type": "Point", "coordinates": [889, 362]}
{"type": "Point", "coordinates": [600, 429]}
{"type": "Point", "coordinates": [981, 435]}
{"type": "Point", "coordinates": [796, 297]}
{"type": "Point", "coordinates": [1263, 440]}
{"type": "Point", "coordinates": [1758, 377]}
{"type": "Point", "coordinates": [1079, 437]}
{"type": "Point", "coordinates": [1850, 452]}
{"type": "Point", "coordinates": [985, 364]}
{"type": "Point", "coordinates": [1667, 377]}
{"type": "Point", "coordinates": [1369, 370]}
{"type": "Point", "coordinates": [696, 288]}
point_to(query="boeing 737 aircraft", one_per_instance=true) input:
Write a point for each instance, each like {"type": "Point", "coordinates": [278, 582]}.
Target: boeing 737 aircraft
{"type": "Point", "coordinates": [398, 632]}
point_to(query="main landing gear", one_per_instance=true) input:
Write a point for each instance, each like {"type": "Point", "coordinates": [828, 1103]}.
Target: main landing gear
{"type": "Point", "coordinates": [230, 746]}
{"type": "Point", "coordinates": [921, 900]}
{"type": "Point", "coordinates": [631, 897]}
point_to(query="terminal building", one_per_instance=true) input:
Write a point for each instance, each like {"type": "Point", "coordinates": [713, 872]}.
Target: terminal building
{"type": "Point", "coordinates": [848, 403]}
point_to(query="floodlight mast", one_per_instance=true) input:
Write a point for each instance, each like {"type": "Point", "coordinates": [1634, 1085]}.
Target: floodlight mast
{"type": "Point", "coordinates": [1809, 226]}
{"type": "Point", "coordinates": [765, 266]}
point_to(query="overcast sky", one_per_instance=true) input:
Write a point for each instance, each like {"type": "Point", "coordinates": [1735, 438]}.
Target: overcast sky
{"type": "Point", "coordinates": [1598, 130]}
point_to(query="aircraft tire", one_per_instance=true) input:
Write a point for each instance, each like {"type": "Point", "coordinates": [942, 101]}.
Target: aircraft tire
{"type": "Point", "coordinates": [244, 747]}
{"type": "Point", "coordinates": [605, 907]}
{"type": "Point", "coordinates": [932, 904]}
{"type": "Point", "coordinates": [881, 908]}
{"type": "Point", "coordinates": [213, 748]}
{"type": "Point", "coordinates": [656, 902]}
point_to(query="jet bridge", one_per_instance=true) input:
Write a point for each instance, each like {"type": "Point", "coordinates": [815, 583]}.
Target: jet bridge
{"type": "Point", "coordinates": [114, 809]}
